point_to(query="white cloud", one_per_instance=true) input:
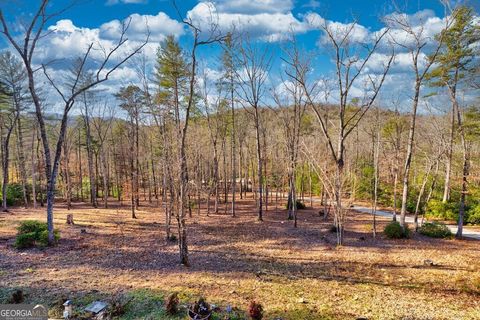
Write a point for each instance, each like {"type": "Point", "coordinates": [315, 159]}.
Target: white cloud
{"type": "Point", "coordinates": [406, 30]}
{"type": "Point", "coordinates": [269, 25]}
{"type": "Point", "coordinates": [352, 32]}
{"type": "Point", "coordinates": [159, 26]}
{"type": "Point", "coordinates": [419, 18]}
{"type": "Point", "coordinates": [67, 41]}
{"type": "Point", "coordinates": [213, 75]}
{"type": "Point", "coordinates": [124, 74]}
{"type": "Point", "coordinates": [314, 20]}
{"type": "Point", "coordinates": [314, 4]}
{"type": "Point", "coordinates": [254, 7]}
{"type": "Point", "coordinates": [402, 62]}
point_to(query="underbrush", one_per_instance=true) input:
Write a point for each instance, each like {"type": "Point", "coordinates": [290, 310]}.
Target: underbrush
{"type": "Point", "coordinates": [299, 205]}
{"type": "Point", "coordinates": [14, 194]}
{"type": "Point", "coordinates": [449, 211]}
{"type": "Point", "coordinates": [33, 233]}
{"type": "Point", "coordinates": [473, 215]}
{"type": "Point", "coordinates": [394, 230]}
{"type": "Point", "coordinates": [436, 209]}
{"type": "Point", "coordinates": [435, 230]}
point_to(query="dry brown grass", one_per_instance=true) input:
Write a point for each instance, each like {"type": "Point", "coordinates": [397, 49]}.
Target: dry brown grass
{"type": "Point", "coordinates": [235, 260]}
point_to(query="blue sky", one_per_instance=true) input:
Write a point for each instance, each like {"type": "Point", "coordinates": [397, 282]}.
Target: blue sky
{"type": "Point", "coordinates": [267, 21]}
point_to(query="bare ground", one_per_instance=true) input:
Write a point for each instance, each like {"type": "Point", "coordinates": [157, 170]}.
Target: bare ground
{"type": "Point", "coordinates": [296, 273]}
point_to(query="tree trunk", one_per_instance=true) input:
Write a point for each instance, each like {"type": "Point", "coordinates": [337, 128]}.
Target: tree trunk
{"type": "Point", "coordinates": [137, 163]}
{"type": "Point", "coordinates": [376, 157]}
{"type": "Point", "coordinates": [225, 180]}
{"type": "Point", "coordinates": [240, 173]}
{"type": "Point", "coordinates": [465, 173]}
{"type": "Point", "coordinates": [21, 160]}
{"type": "Point", "coordinates": [80, 171]}
{"type": "Point", "coordinates": [294, 201]}
{"type": "Point", "coordinates": [104, 177]}
{"type": "Point", "coordinates": [408, 159]}
{"type": "Point", "coordinates": [34, 170]}
{"type": "Point", "coordinates": [465, 169]}
{"type": "Point", "coordinates": [5, 162]}
{"type": "Point", "coordinates": [395, 183]}
{"type": "Point", "coordinates": [67, 176]}
{"type": "Point", "coordinates": [182, 229]}
{"type": "Point", "coordinates": [132, 172]}
{"type": "Point", "coordinates": [216, 176]}
{"type": "Point", "coordinates": [132, 188]}
{"type": "Point", "coordinates": [233, 161]}
{"type": "Point", "coordinates": [91, 172]}
{"type": "Point", "coordinates": [310, 185]}
{"type": "Point", "coordinates": [338, 201]}
{"type": "Point", "coordinates": [448, 164]}
{"type": "Point", "coordinates": [420, 196]}
{"type": "Point", "coordinates": [291, 196]}
{"type": "Point", "coordinates": [259, 165]}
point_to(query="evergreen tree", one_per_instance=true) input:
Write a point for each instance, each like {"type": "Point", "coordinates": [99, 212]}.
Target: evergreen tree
{"type": "Point", "coordinates": [171, 74]}
{"type": "Point", "coordinates": [454, 62]}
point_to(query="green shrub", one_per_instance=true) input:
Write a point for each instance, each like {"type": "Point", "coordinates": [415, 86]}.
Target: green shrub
{"type": "Point", "coordinates": [394, 230]}
{"type": "Point", "coordinates": [43, 238]}
{"type": "Point", "coordinates": [300, 205]}
{"type": "Point", "coordinates": [14, 194]}
{"type": "Point", "coordinates": [473, 215]}
{"type": "Point", "coordinates": [435, 230]}
{"type": "Point", "coordinates": [411, 205]}
{"type": "Point", "coordinates": [35, 226]}
{"type": "Point", "coordinates": [436, 209]}
{"type": "Point", "coordinates": [365, 180]}
{"type": "Point", "coordinates": [25, 240]}
{"type": "Point", "coordinates": [33, 232]}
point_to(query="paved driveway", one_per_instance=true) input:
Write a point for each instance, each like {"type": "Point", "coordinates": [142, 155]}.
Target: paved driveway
{"type": "Point", "coordinates": [388, 214]}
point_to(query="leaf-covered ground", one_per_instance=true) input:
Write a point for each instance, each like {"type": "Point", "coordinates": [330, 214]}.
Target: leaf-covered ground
{"type": "Point", "coordinates": [296, 273]}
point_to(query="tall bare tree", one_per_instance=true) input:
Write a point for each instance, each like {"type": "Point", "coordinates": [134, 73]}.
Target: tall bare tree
{"type": "Point", "coordinates": [25, 43]}
{"type": "Point", "coordinates": [349, 69]}
{"type": "Point", "coordinates": [417, 43]}
{"type": "Point", "coordinates": [254, 64]}
{"type": "Point", "coordinates": [292, 106]}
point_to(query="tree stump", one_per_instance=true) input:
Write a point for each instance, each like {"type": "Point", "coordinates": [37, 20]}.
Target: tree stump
{"type": "Point", "coordinates": [70, 219]}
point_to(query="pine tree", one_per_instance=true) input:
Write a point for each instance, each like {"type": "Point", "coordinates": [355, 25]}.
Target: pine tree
{"type": "Point", "coordinates": [172, 77]}
{"type": "Point", "coordinates": [454, 62]}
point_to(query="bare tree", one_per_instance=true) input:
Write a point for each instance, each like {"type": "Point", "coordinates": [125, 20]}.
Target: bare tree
{"type": "Point", "coordinates": [13, 80]}
{"type": "Point", "coordinates": [393, 132]}
{"type": "Point", "coordinates": [349, 69]}
{"type": "Point", "coordinates": [214, 107]}
{"type": "Point", "coordinates": [210, 35]}
{"type": "Point", "coordinates": [292, 107]}
{"type": "Point", "coordinates": [102, 124]}
{"type": "Point", "coordinates": [415, 42]}
{"type": "Point", "coordinates": [253, 66]}
{"type": "Point", "coordinates": [229, 72]}
{"type": "Point", "coordinates": [25, 43]}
